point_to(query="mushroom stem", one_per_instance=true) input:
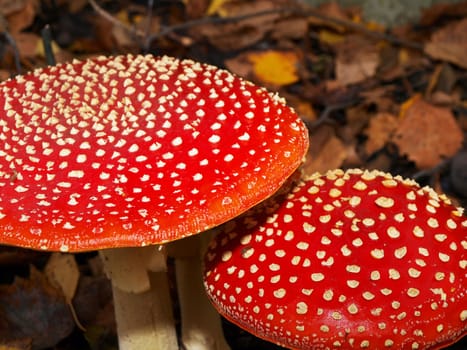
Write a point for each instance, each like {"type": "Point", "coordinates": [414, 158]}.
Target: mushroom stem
{"type": "Point", "coordinates": [143, 307]}
{"type": "Point", "coordinates": [201, 324]}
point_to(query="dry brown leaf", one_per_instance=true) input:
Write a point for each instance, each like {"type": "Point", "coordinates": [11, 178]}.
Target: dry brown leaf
{"type": "Point", "coordinates": [379, 131]}
{"type": "Point", "coordinates": [33, 309]}
{"type": "Point", "coordinates": [450, 44]}
{"type": "Point", "coordinates": [441, 11]}
{"type": "Point", "coordinates": [240, 65]}
{"type": "Point", "coordinates": [445, 99]}
{"type": "Point", "coordinates": [7, 7]}
{"type": "Point", "coordinates": [62, 271]}
{"type": "Point", "coordinates": [17, 344]}
{"type": "Point", "coordinates": [356, 60]}
{"type": "Point", "coordinates": [330, 9]}
{"type": "Point", "coordinates": [19, 20]}
{"type": "Point", "coordinates": [304, 109]}
{"type": "Point", "coordinates": [243, 33]}
{"type": "Point", "coordinates": [28, 44]}
{"type": "Point", "coordinates": [196, 8]}
{"type": "Point", "coordinates": [427, 133]}
{"type": "Point", "coordinates": [381, 97]}
{"type": "Point", "coordinates": [290, 28]}
{"type": "Point", "coordinates": [326, 152]}
{"type": "Point", "coordinates": [357, 118]}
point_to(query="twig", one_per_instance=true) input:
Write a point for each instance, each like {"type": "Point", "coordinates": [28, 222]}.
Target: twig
{"type": "Point", "coordinates": [47, 44]}
{"type": "Point", "coordinates": [289, 11]}
{"type": "Point", "coordinates": [147, 43]}
{"type": "Point", "coordinates": [214, 20]}
{"type": "Point", "coordinates": [362, 29]}
{"type": "Point", "coordinates": [285, 11]}
{"type": "Point", "coordinates": [13, 45]}
{"type": "Point", "coordinates": [325, 116]}
{"type": "Point", "coordinates": [132, 30]}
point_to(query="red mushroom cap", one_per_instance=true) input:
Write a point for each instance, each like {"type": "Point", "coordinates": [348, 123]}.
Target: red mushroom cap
{"type": "Point", "coordinates": [348, 260]}
{"type": "Point", "coordinates": [136, 150]}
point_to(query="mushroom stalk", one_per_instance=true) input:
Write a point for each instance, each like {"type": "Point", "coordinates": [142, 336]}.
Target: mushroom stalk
{"type": "Point", "coordinates": [143, 307]}
{"type": "Point", "coordinates": [201, 324]}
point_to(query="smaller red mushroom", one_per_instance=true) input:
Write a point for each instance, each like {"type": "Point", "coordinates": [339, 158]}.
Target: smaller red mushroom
{"type": "Point", "coordinates": [355, 259]}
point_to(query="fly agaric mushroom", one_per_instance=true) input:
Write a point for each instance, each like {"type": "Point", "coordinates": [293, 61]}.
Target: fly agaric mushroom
{"type": "Point", "coordinates": [135, 151]}
{"type": "Point", "coordinates": [348, 260]}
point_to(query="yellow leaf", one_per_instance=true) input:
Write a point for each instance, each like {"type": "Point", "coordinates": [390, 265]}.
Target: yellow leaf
{"type": "Point", "coordinates": [122, 16]}
{"type": "Point", "coordinates": [404, 56]}
{"type": "Point", "coordinates": [329, 37]}
{"type": "Point", "coordinates": [375, 26]}
{"type": "Point", "coordinates": [215, 7]}
{"type": "Point", "coordinates": [39, 51]}
{"type": "Point", "coordinates": [275, 67]}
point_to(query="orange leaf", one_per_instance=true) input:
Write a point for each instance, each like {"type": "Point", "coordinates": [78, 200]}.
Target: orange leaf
{"type": "Point", "coordinates": [275, 67]}
{"type": "Point", "coordinates": [407, 104]}
{"type": "Point", "coordinates": [379, 131]}
{"type": "Point", "coordinates": [427, 133]}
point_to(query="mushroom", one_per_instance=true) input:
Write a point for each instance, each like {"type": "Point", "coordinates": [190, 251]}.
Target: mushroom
{"type": "Point", "coordinates": [136, 151]}
{"type": "Point", "coordinates": [354, 259]}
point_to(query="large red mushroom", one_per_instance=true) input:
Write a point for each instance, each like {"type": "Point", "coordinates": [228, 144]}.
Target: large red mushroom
{"type": "Point", "coordinates": [136, 151]}
{"type": "Point", "coordinates": [348, 260]}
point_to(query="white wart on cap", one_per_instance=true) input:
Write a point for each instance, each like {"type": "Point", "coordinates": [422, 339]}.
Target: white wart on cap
{"type": "Point", "coordinates": [354, 259]}
{"type": "Point", "coordinates": [136, 150]}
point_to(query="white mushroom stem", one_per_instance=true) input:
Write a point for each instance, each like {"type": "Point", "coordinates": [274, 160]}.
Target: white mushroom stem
{"type": "Point", "coordinates": [201, 324]}
{"type": "Point", "coordinates": [143, 307]}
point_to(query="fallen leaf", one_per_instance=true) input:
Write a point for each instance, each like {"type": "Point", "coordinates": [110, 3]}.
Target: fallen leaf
{"type": "Point", "coordinates": [241, 33]}
{"type": "Point", "coordinates": [330, 9]}
{"type": "Point", "coordinates": [276, 68]}
{"type": "Point", "coordinates": [379, 131]}
{"type": "Point", "coordinates": [290, 28]}
{"type": "Point", "coordinates": [450, 44]}
{"type": "Point", "coordinates": [427, 134]}
{"type": "Point", "coordinates": [196, 8]}
{"type": "Point", "coordinates": [22, 344]}
{"type": "Point", "coordinates": [62, 271]}
{"type": "Point", "coordinates": [357, 118]}
{"type": "Point", "coordinates": [326, 152]}
{"type": "Point", "coordinates": [76, 5]}
{"type": "Point", "coordinates": [429, 16]}
{"type": "Point", "coordinates": [303, 108]}
{"type": "Point", "coordinates": [357, 60]}
{"type": "Point", "coordinates": [8, 7]}
{"type": "Point", "coordinates": [381, 97]}
{"type": "Point", "coordinates": [19, 20]}
{"type": "Point", "coordinates": [92, 296]}
{"type": "Point", "coordinates": [330, 37]}
{"type": "Point", "coordinates": [33, 309]}
{"type": "Point", "coordinates": [28, 44]}
{"type": "Point", "coordinates": [215, 7]}
{"type": "Point", "coordinates": [441, 98]}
